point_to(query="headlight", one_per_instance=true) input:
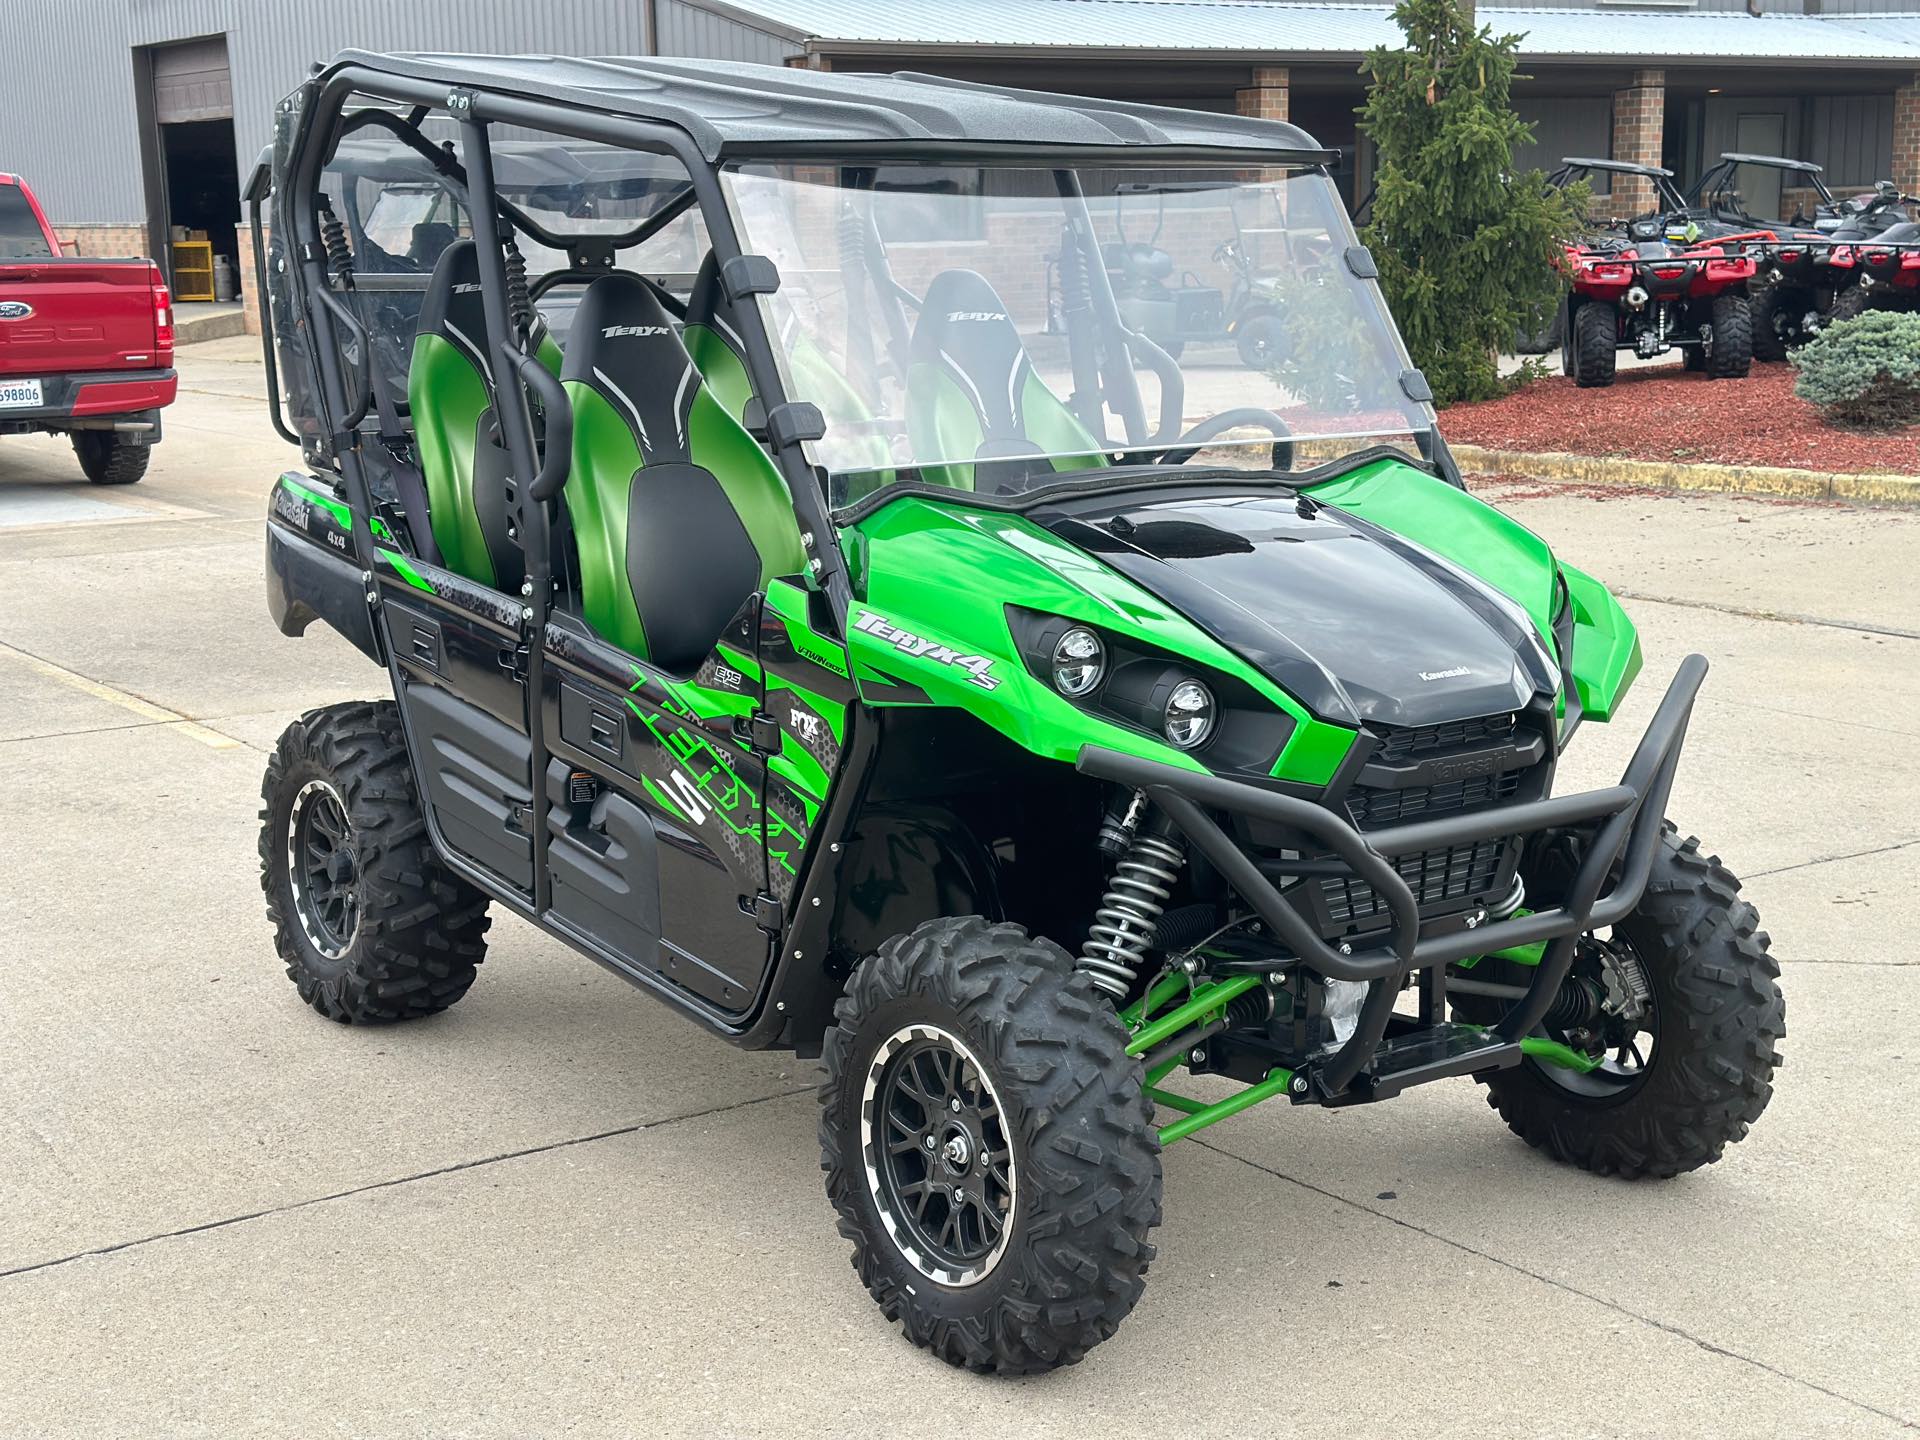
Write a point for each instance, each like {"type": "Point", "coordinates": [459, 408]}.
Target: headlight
{"type": "Point", "coordinates": [1189, 717]}
{"type": "Point", "coordinates": [1079, 662]}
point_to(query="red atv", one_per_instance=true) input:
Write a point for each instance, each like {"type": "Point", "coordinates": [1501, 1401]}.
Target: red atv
{"type": "Point", "coordinates": [1889, 268]}
{"type": "Point", "coordinates": [1655, 289]}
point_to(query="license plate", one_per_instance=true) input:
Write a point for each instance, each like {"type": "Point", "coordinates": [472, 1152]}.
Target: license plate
{"type": "Point", "coordinates": [20, 395]}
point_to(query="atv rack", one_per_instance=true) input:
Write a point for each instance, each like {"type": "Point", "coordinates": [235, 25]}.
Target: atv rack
{"type": "Point", "coordinates": [1624, 822]}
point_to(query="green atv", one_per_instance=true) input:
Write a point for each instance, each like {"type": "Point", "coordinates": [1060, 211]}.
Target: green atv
{"type": "Point", "coordinates": [776, 614]}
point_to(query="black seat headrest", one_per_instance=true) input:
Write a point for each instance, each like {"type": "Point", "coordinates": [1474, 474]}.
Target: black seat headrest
{"type": "Point", "coordinates": [965, 330]}
{"type": "Point", "coordinates": [624, 345]}
{"type": "Point", "coordinates": [453, 306]}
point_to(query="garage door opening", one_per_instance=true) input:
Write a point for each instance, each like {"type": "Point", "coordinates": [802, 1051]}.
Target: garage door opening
{"type": "Point", "coordinates": [203, 200]}
{"type": "Point", "coordinates": [194, 174]}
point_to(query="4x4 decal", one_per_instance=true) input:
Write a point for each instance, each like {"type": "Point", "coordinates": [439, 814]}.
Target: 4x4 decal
{"type": "Point", "coordinates": [979, 668]}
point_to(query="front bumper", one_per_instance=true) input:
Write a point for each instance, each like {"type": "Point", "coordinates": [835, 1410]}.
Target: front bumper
{"type": "Point", "coordinates": [1622, 824]}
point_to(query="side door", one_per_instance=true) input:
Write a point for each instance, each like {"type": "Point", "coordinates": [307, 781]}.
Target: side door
{"type": "Point", "coordinates": [658, 830]}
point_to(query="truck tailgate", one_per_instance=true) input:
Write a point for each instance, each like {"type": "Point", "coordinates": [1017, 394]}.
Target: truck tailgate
{"type": "Point", "coordinates": [80, 314]}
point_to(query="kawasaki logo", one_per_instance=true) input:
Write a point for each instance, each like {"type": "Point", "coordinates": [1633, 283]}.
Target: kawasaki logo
{"type": "Point", "coordinates": [979, 668]}
{"type": "Point", "coordinates": [1455, 673]}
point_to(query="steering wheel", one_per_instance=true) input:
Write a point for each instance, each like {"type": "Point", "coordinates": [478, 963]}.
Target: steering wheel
{"type": "Point", "coordinates": [1215, 425]}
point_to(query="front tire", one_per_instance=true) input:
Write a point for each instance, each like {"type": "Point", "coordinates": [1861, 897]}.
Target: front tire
{"type": "Point", "coordinates": [989, 1147]}
{"type": "Point", "coordinates": [372, 927]}
{"type": "Point", "coordinates": [1715, 1021]}
{"type": "Point", "coordinates": [107, 458]}
{"type": "Point", "coordinates": [1594, 340]}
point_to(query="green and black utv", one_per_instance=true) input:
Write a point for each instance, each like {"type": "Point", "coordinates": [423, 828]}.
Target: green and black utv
{"type": "Point", "coordinates": [780, 612]}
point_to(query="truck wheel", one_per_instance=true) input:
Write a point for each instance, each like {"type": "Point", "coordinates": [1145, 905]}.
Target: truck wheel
{"type": "Point", "coordinates": [1730, 348]}
{"type": "Point", "coordinates": [1771, 312]}
{"type": "Point", "coordinates": [371, 925]}
{"type": "Point", "coordinates": [1689, 1073]}
{"type": "Point", "coordinates": [110, 459]}
{"type": "Point", "coordinates": [989, 1147]}
{"type": "Point", "coordinates": [1595, 340]}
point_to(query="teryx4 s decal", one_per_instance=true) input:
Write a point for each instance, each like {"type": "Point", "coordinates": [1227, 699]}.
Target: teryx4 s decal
{"type": "Point", "coordinates": [979, 668]}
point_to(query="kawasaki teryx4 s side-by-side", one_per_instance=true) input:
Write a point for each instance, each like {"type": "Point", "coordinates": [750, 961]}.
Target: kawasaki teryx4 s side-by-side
{"type": "Point", "coordinates": [775, 613]}
{"type": "Point", "coordinates": [1652, 285]}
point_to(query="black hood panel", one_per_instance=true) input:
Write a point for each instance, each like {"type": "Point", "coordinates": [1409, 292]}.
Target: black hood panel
{"type": "Point", "coordinates": [1352, 621]}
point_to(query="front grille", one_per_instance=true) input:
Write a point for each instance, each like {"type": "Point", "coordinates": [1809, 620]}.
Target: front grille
{"type": "Point", "coordinates": [1398, 745]}
{"type": "Point", "coordinates": [1437, 877]}
{"type": "Point", "coordinates": [1372, 808]}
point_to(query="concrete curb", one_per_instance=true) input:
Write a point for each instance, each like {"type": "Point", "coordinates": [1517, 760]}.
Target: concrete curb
{"type": "Point", "coordinates": [197, 329]}
{"type": "Point", "coordinates": [1667, 475]}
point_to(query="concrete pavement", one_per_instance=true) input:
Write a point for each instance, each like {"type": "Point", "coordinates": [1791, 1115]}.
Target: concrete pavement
{"type": "Point", "coordinates": [557, 1209]}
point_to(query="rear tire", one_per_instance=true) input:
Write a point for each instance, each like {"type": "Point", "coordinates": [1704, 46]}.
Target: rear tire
{"type": "Point", "coordinates": [372, 926]}
{"type": "Point", "coordinates": [1595, 341]}
{"type": "Point", "coordinates": [107, 458]}
{"type": "Point", "coordinates": [1730, 356]}
{"type": "Point", "coordinates": [1717, 1018]}
{"type": "Point", "coordinates": [1040, 1152]}
{"type": "Point", "coordinates": [1849, 304]}
{"type": "Point", "coordinates": [1256, 340]}
{"type": "Point", "coordinates": [1769, 311]}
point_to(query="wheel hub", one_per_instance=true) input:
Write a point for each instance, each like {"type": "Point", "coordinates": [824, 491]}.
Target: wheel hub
{"type": "Point", "coordinates": [322, 871]}
{"type": "Point", "coordinates": [938, 1154]}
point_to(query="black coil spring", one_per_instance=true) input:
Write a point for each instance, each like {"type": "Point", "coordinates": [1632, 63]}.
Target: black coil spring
{"type": "Point", "coordinates": [333, 240]}
{"type": "Point", "coordinates": [519, 298]}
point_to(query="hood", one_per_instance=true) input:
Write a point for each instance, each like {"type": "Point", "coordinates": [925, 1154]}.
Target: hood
{"type": "Point", "coordinates": [1354, 622]}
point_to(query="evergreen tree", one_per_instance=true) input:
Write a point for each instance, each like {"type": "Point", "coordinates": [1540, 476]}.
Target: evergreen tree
{"type": "Point", "coordinates": [1466, 247]}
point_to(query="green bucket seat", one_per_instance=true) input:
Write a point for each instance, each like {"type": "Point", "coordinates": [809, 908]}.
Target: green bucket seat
{"type": "Point", "coordinates": [463, 459]}
{"type": "Point", "coordinates": [973, 396]}
{"type": "Point", "coordinates": [715, 344]}
{"type": "Point", "coordinates": [678, 514]}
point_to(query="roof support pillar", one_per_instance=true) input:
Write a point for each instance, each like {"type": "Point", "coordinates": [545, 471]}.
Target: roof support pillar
{"type": "Point", "coordinates": [1906, 136]}
{"type": "Point", "coordinates": [1639, 123]}
{"type": "Point", "coordinates": [1266, 97]}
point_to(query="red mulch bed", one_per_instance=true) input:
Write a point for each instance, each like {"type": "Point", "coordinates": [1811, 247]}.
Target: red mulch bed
{"type": "Point", "coordinates": [1663, 412]}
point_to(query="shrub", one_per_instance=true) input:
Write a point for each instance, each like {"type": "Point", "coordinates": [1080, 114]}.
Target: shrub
{"type": "Point", "coordinates": [1466, 246]}
{"type": "Point", "coordinates": [1865, 371]}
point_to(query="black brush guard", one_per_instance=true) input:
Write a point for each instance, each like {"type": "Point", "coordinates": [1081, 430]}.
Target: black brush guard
{"type": "Point", "coordinates": [1624, 822]}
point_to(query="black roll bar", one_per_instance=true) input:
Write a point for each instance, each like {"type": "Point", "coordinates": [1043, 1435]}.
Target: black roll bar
{"type": "Point", "coordinates": [1627, 820]}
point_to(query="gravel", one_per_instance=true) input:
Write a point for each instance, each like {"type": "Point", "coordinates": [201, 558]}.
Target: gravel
{"type": "Point", "coordinates": [1664, 413]}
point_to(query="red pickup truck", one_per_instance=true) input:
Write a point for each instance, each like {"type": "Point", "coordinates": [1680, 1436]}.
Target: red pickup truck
{"type": "Point", "coordinates": [86, 346]}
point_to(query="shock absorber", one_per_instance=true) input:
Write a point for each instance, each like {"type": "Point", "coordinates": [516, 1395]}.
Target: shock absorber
{"type": "Point", "coordinates": [333, 239]}
{"type": "Point", "coordinates": [1124, 925]}
{"type": "Point", "coordinates": [519, 300]}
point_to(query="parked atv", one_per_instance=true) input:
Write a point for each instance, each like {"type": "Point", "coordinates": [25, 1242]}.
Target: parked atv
{"type": "Point", "coordinates": [931, 706]}
{"type": "Point", "coordinates": [1809, 279]}
{"type": "Point", "coordinates": [1652, 291]}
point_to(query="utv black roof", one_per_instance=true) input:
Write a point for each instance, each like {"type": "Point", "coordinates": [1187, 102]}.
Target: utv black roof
{"type": "Point", "coordinates": [732, 111]}
{"type": "Point", "coordinates": [1776, 162]}
{"type": "Point", "coordinates": [1620, 167]}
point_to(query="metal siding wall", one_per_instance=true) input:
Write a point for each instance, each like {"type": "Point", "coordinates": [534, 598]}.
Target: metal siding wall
{"type": "Point", "coordinates": [67, 118]}
{"type": "Point", "coordinates": [1573, 125]}
{"type": "Point", "coordinates": [686, 29]}
{"type": "Point", "coordinates": [1852, 136]}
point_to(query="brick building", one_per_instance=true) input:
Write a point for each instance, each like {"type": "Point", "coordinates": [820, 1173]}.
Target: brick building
{"type": "Point", "coordinates": [177, 94]}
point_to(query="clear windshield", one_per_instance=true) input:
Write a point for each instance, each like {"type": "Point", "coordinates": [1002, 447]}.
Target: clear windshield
{"type": "Point", "coordinates": [1000, 329]}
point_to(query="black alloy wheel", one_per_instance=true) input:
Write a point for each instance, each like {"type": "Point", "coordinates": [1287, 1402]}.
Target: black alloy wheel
{"type": "Point", "coordinates": [938, 1157]}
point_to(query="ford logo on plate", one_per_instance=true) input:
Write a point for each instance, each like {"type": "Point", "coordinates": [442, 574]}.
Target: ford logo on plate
{"type": "Point", "coordinates": [14, 310]}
